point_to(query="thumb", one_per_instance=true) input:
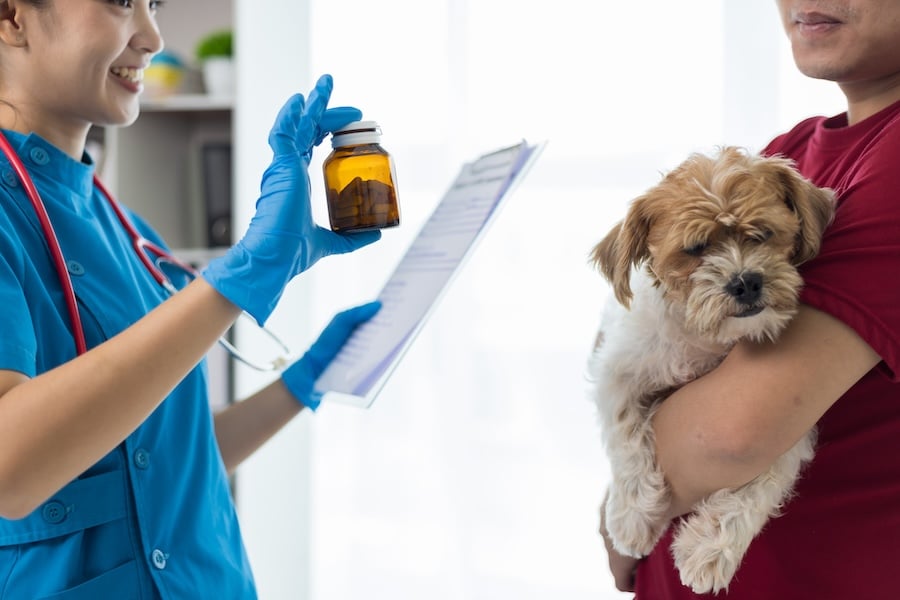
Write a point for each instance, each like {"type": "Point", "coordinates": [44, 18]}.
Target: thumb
{"type": "Point", "coordinates": [342, 243]}
{"type": "Point", "coordinates": [335, 118]}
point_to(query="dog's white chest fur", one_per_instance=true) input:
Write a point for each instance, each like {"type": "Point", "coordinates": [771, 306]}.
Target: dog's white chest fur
{"type": "Point", "coordinates": [646, 348]}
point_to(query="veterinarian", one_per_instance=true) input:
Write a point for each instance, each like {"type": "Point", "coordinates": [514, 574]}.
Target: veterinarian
{"type": "Point", "coordinates": [113, 472]}
{"type": "Point", "coordinates": [835, 367]}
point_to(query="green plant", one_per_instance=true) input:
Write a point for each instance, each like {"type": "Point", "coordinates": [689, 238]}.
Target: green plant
{"type": "Point", "coordinates": [217, 43]}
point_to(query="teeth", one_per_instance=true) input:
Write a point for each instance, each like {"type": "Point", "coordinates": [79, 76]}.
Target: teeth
{"type": "Point", "coordinates": [130, 74]}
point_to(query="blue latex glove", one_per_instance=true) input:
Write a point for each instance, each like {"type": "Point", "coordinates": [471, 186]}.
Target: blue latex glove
{"type": "Point", "coordinates": [282, 239]}
{"type": "Point", "coordinates": [302, 375]}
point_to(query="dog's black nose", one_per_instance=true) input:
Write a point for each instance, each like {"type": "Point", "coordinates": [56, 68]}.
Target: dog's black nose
{"type": "Point", "coordinates": [745, 287]}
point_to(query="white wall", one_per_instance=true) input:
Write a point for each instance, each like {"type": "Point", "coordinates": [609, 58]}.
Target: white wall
{"type": "Point", "coordinates": [273, 486]}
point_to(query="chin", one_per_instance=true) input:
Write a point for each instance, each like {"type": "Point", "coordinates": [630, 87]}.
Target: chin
{"type": "Point", "coordinates": [763, 326]}
{"type": "Point", "coordinates": [118, 110]}
{"type": "Point", "coordinates": [129, 115]}
{"type": "Point", "coordinates": [703, 260]}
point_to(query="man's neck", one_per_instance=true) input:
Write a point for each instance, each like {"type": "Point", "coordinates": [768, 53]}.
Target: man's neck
{"type": "Point", "coordinates": [869, 98]}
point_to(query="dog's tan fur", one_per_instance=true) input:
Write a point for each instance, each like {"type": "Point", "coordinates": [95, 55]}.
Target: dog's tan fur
{"type": "Point", "coordinates": [703, 259]}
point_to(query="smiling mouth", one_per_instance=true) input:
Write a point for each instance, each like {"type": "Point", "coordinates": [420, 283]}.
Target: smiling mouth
{"type": "Point", "coordinates": [129, 74]}
{"type": "Point", "coordinates": [749, 312]}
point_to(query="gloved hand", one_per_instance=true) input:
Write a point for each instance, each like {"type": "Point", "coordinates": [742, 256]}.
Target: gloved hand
{"type": "Point", "coordinates": [282, 239]}
{"type": "Point", "coordinates": [300, 377]}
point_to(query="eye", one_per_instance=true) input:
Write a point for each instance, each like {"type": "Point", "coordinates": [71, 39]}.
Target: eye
{"type": "Point", "coordinates": [696, 250]}
{"type": "Point", "coordinates": [155, 5]}
{"type": "Point", "coordinates": [762, 236]}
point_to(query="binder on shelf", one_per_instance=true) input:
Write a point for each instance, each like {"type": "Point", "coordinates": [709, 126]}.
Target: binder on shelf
{"type": "Point", "coordinates": [215, 163]}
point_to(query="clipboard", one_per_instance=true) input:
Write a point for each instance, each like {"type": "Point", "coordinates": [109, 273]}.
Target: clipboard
{"type": "Point", "coordinates": [433, 260]}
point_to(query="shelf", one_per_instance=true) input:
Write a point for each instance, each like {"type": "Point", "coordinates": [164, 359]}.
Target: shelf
{"type": "Point", "coordinates": [187, 103]}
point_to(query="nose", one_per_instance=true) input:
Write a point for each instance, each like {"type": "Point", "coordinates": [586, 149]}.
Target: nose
{"type": "Point", "coordinates": [147, 37]}
{"type": "Point", "coordinates": [745, 287]}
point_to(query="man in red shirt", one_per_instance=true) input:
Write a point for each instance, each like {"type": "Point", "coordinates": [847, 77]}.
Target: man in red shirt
{"type": "Point", "coordinates": [837, 366]}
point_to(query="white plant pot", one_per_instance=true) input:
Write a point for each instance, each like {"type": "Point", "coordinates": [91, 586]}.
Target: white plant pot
{"type": "Point", "coordinates": [218, 76]}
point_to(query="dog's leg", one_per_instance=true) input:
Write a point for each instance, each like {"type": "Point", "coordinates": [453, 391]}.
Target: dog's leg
{"type": "Point", "coordinates": [710, 543]}
{"type": "Point", "coordinates": [638, 495]}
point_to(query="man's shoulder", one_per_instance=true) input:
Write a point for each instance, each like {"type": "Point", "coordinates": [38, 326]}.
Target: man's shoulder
{"type": "Point", "coordinates": [799, 135]}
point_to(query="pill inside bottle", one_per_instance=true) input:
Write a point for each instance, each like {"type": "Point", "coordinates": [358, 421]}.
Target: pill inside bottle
{"type": "Point", "coordinates": [360, 182]}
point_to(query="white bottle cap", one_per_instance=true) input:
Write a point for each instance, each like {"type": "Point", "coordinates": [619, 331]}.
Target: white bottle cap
{"type": "Point", "coordinates": [356, 133]}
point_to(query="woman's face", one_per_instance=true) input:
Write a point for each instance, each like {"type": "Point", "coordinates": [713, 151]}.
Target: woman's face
{"type": "Point", "coordinates": [82, 62]}
{"type": "Point", "coordinates": [851, 42]}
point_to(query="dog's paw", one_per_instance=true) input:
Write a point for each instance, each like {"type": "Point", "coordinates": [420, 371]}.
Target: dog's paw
{"type": "Point", "coordinates": [634, 516]}
{"type": "Point", "coordinates": [633, 534]}
{"type": "Point", "coordinates": [706, 562]}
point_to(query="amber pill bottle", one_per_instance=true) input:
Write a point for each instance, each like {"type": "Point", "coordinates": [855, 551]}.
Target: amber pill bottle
{"type": "Point", "coordinates": [360, 183]}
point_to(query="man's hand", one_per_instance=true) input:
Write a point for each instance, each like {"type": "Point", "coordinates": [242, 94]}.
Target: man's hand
{"type": "Point", "coordinates": [623, 568]}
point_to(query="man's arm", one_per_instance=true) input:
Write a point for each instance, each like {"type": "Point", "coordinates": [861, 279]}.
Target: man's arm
{"type": "Point", "coordinates": [729, 426]}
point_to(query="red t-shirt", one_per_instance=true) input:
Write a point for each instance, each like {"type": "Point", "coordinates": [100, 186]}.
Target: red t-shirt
{"type": "Point", "coordinates": [839, 537]}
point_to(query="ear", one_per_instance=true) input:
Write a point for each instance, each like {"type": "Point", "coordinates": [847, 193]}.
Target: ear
{"type": "Point", "coordinates": [11, 31]}
{"type": "Point", "coordinates": [814, 207]}
{"type": "Point", "coordinates": [624, 247]}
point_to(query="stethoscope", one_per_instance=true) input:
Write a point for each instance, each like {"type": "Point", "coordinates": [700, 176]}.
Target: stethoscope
{"type": "Point", "coordinates": [143, 248]}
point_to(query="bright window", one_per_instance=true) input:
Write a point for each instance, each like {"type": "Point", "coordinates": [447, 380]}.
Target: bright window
{"type": "Point", "coordinates": [479, 470]}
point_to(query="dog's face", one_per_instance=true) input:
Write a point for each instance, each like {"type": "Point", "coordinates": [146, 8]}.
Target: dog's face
{"type": "Point", "coordinates": [722, 236]}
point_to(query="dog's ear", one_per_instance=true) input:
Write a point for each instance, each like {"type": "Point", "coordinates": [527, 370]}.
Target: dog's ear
{"type": "Point", "coordinates": [605, 258]}
{"type": "Point", "coordinates": [814, 207]}
{"type": "Point", "coordinates": [624, 247]}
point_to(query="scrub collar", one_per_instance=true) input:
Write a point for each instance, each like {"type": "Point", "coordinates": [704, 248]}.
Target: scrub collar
{"type": "Point", "coordinates": [45, 161]}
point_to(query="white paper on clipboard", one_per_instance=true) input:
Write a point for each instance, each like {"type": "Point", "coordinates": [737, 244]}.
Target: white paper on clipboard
{"type": "Point", "coordinates": [460, 220]}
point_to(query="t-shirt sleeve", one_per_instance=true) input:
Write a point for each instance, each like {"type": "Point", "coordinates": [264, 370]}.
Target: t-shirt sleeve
{"type": "Point", "coordinates": [856, 276]}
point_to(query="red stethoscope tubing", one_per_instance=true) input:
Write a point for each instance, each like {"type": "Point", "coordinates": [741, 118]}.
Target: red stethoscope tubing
{"type": "Point", "coordinates": [138, 241]}
{"type": "Point", "coordinates": [59, 262]}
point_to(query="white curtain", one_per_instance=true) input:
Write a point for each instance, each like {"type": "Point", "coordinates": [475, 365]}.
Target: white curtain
{"type": "Point", "coordinates": [478, 471]}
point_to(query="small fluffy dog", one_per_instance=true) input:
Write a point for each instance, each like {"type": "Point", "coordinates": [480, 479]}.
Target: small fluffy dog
{"type": "Point", "coordinates": [705, 258]}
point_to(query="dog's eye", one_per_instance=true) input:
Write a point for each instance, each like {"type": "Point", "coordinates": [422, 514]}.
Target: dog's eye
{"type": "Point", "coordinates": [695, 250]}
{"type": "Point", "coordinates": [762, 236]}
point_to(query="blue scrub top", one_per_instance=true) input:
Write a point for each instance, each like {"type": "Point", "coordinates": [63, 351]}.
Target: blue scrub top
{"type": "Point", "coordinates": [154, 518]}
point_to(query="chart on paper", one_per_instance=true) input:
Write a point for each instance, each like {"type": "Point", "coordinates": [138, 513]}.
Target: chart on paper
{"type": "Point", "coordinates": [423, 274]}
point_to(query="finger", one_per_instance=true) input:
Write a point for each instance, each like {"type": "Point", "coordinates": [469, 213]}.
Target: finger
{"type": "Point", "coordinates": [308, 126]}
{"type": "Point", "coordinates": [359, 314]}
{"type": "Point", "coordinates": [336, 333]}
{"type": "Point", "coordinates": [313, 400]}
{"type": "Point", "coordinates": [321, 92]}
{"type": "Point", "coordinates": [335, 118]}
{"type": "Point", "coordinates": [283, 133]}
{"type": "Point", "coordinates": [343, 323]}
